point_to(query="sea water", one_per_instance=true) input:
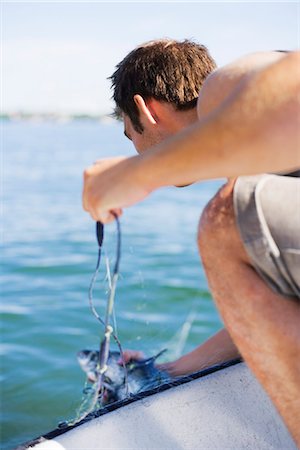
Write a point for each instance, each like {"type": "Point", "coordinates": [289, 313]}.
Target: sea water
{"type": "Point", "coordinates": [48, 256]}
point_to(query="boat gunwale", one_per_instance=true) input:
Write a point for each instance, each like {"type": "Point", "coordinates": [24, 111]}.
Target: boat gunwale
{"type": "Point", "coordinates": [131, 399]}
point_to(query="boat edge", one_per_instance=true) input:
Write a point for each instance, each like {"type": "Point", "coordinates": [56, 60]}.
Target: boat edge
{"type": "Point", "coordinates": [116, 405]}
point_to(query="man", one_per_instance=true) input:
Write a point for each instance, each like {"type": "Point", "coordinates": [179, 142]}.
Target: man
{"type": "Point", "coordinates": [168, 76]}
{"type": "Point", "coordinates": [249, 232]}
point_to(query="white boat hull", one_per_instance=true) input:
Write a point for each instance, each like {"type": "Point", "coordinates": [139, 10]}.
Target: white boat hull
{"type": "Point", "coordinates": [226, 409]}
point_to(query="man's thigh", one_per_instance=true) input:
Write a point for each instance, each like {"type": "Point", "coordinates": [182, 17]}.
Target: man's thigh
{"type": "Point", "coordinates": [267, 210]}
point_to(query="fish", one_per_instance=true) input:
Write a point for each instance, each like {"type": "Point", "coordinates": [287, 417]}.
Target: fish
{"type": "Point", "coordinates": [118, 384]}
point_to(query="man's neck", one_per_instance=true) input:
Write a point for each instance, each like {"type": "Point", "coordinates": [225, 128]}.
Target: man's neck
{"type": "Point", "coordinates": [175, 120]}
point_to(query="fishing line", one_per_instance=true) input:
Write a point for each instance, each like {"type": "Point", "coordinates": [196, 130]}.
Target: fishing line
{"type": "Point", "coordinates": [112, 282]}
{"type": "Point", "coordinates": [177, 342]}
{"type": "Point", "coordinates": [104, 346]}
{"type": "Point", "coordinates": [100, 235]}
{"type": "Point", "coordinates": [109, 285]}
{"type": "Point", "coordinates": [95, 393]}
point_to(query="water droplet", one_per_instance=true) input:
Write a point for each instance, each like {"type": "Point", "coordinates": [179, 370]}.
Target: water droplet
{"type": "Point", "coordinates": [62, 424]}
{"type": "Point", "coordinates": [87, 390]}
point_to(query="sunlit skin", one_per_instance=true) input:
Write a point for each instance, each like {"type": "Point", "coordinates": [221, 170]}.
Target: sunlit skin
{"type": "Point", "coordinates": [255, 129]}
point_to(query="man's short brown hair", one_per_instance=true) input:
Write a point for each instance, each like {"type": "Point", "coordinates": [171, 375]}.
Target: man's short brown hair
{"type": "Point", "coordinates": [166, 70]}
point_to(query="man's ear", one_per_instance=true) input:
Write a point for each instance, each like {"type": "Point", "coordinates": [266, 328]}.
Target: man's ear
{"type": "Point", "coordinates": [146, 112]}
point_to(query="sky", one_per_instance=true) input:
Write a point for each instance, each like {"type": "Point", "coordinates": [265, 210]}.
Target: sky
{"type": "Point", "coordinates": [57, 56]}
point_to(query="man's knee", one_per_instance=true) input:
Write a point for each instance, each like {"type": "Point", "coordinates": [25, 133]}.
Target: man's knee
{"type": "Point", "coordinates": [218, 235]}
{"type": "Point", "coordinates": [217, 220]}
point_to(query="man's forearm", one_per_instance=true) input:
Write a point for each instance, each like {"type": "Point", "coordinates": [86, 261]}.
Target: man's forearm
{"type": "Point", "coordinates": [217, 349]}
{"type": "Point", "coordinates": [255, 130]}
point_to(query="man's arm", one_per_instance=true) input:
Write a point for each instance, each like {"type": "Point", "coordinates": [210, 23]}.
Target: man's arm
{"type": "Point", "coordinates": [217, 349]}
{"type": "Point", "coordinates": [254, 130]}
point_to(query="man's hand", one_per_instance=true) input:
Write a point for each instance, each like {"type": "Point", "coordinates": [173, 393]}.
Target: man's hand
{"type": "Point", "coordinates": [130, 355]}
{"type": "Point", "coordinates": [111, 184]}
{"type": "Point", "coordinates": [174, 368]}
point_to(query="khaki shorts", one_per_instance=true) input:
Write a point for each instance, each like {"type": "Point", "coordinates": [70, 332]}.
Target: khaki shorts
{"type": "Point", "coordinates": [267, 208]}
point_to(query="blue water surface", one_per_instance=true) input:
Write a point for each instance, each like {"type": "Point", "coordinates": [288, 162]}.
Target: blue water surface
{"type": "Point", "coordinates": [49, 253]}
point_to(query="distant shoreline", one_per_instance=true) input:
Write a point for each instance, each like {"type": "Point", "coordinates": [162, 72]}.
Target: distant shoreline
{"type": "Point", "coordinates": [21, 116]}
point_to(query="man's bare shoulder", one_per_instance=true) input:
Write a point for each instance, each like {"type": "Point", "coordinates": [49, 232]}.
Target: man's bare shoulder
{"type": "Point", "coordinates": [223, 81]}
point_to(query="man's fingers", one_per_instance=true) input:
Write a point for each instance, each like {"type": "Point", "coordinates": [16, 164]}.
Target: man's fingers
{"type": "Point", "coordinates": [105, 217]}
{"type": "Point", "coordinates": [96, 212]}
{"type": "Point", "coordinates": [107, 187]}
{"type": "Point", "coordinates": [128, 355]}
{"type": "Point", "coordinates": [86, 184]}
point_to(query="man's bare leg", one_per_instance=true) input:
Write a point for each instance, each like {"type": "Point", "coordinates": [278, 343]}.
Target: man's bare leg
{"type": "Point", "coordinates": [264, 326]}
